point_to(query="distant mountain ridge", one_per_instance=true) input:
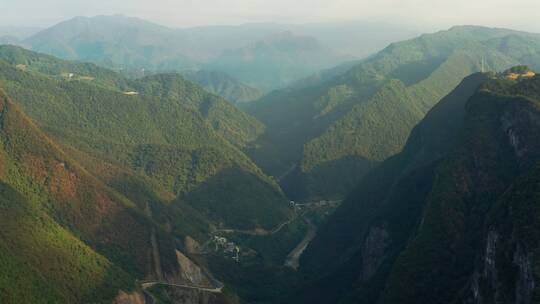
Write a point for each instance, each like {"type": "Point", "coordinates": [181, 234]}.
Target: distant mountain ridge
{"type": "Point", "coordinates": [15, 34]}
{"type": "Point", "coordinates": [226, 86]}
{"type": "Point", "coordinates": [127, 43]}
{"type": "Point", "coordinates": [277, 60]}
{"type": "Point", "coordinates": [412, 176]}
{"type": "Point", "coordinates": [326, 134]}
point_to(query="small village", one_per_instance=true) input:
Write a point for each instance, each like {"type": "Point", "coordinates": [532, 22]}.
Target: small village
{"type": "Point", "coordinates": [228, 248]}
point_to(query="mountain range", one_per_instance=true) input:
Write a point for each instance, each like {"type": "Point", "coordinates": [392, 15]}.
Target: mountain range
{"type": "Point", "coordinates": [135, 46]}
{"type": "Point", "coordinates": [155, 167]}
{"type": "Point", "coordinates": [449, 219]}
{"type": "Point", "coordinates": [320, 138]}
{"type": "Point", "coordinates": [85, 150]}
{"type": "Point", "coordinates": [146, 125]}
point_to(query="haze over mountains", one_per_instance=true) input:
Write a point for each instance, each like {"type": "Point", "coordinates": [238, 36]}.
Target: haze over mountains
{"type": "Point", "coordinates": [265, 56]}
{"type": "Point", "coordinates": [268, 163]}
{"type": "Point", "coordinates": [319, 133]}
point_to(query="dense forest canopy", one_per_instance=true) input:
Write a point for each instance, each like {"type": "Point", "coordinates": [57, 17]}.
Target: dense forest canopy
{"type": "Point", "coordinates": [338, 162]}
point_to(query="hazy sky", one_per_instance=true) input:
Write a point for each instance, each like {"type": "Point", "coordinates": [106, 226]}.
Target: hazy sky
{"type": "Point", "coordinates": [520, 14]}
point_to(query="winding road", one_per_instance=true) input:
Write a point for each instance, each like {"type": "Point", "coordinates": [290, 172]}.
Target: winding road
{"type": "Point", "coordinates": [150, 299]}
{"type": "Point", "coordinates": [293, 258]}
{"type": "Point", "coordinates": [280, 226]}
{"type": "Point", "coordinates": [291, 169]}
{"type": "Point", "coordinates": [257, 231]}
{"type": "Point", "coordinates": [216, 289]}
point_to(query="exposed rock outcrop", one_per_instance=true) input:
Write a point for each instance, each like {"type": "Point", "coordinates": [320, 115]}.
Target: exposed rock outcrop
{"type": "Point", "coordinates": [129, 298]}
{"type": "Point", "coordinates": [190, 272]}
{"type": "Point", "coordinates": [373, 251]}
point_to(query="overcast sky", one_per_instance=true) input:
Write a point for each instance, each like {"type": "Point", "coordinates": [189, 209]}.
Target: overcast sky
{"type": "Point", "coordinates": [519, 14]}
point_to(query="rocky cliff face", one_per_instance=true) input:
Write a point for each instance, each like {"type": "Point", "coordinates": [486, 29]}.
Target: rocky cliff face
{"type": "Point", "coordinates": [190, 272]}
{"type": "Point", "coordinates": [460, 223]}
{"type": "Point", "coordinates": [505, 274]}
{"type": "Point", "coordinates": [373, 251]}
{"type": "Point", "coordinates": [129, 298]}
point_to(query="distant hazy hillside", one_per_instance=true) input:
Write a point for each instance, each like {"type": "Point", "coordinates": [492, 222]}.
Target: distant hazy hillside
{"type": "Point", "coordinates": [131, 44]}
{"type": "Point", "coordinates": [15, 35]}
{"type": "Point", "coordinates": [222, 84]}
{"type": "Point", "coordinates": [451, 219]}
{"type": "Point", "coordinates": [321, 138]}
{"type": "Point", "coordinates": [20, 32]}
{"type": "Point", "coordinates": [277, 61]}
{"type": "Point", "coordinates": [357, 38]}
{"type": "Point", "coordinates": [115, 40]}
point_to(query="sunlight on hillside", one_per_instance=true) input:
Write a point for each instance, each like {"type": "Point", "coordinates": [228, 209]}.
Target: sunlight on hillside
{"type": "Point", "coordinates": [516, 76]}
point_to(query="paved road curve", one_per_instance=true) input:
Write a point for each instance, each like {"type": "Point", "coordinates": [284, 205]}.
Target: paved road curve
{"type": "Point", "coordinates": [280, 226]}
{"type": "Point", "coordinates": [257, 231]}
{"type": "Point", "coordinates": [293, 258]}
{"type": "Point", "coordinates": [217, 289]}
{"type": "Point", "coordinates": [149, 298]}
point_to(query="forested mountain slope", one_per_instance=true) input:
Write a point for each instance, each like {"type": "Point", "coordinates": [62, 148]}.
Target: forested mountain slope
{"type": "Point", "coordinates": [222, 84]}
{"type": "Point", "coordinates": [66, 237]}
{"type": "Point", "coordinates": [322, 138]}
{"type": "Point", "coordinates": [164, 129]}
{"type": "Point", "coordinates": [452, 217]}
{"type": "Point", "coordinates": [102, 170]}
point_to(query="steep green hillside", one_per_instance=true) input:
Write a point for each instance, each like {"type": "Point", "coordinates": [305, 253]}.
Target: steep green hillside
{"type": "Point", "coordinates": [113, 176]}
{"type": "Point", "coordinates": [50, 206]}
{"type": "Point", "coordinates": [232, 124]}
{"type": "Point", "coordinates": [170, 133]}
{"type": "Point", "coordinates": [428, 142]}
{"type": "Point", "coordinates": [433, 223]}
{"type": "Point", "coordinates": [26, 60]}
{"type": "Point", "coordinates": [224, 85]}
{"type": "Point", "coordinates": [43, 263]}
{"type": "Point", "coordinates": [361, 117]}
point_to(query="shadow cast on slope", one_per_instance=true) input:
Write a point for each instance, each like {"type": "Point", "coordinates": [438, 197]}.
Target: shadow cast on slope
{"type": "Point", "coordinates": [327, 181]}
{"type": "Point", "coordinates": [238, 199]}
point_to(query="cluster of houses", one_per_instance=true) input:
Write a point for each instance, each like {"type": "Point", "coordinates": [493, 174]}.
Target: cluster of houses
{"type": "Point", "coordinates": [229, 248]}
{"type": "Point", "coordinates": [72, 76]}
